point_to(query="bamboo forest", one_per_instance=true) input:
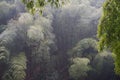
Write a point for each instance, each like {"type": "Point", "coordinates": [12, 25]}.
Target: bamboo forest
{"type": "Point", "coordinates": [59, 39]}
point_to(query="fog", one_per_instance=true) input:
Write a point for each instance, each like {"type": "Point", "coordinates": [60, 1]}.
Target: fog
{"type": "Point", "coordinates": [61, 44]}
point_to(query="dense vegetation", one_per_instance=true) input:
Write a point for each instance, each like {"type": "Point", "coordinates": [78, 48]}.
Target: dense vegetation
{"type": "Point", "coordinates": [60, 44]}
{"type": "Point", "coordinates": [34, 6]}
{"type": "Point", "coordinates": [108, 30]}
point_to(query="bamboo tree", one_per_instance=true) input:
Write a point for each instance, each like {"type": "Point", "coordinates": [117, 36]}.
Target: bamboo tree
{"type": "Point", "coordinates": [109, 30]}
{"type": "Point", "coordinates": [17, 67]}
{"type": "Point", "coordinates": [38, 5]}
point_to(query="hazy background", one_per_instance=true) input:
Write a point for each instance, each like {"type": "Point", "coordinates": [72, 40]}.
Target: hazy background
{"type": "Point", "coordinates": [60, 45]}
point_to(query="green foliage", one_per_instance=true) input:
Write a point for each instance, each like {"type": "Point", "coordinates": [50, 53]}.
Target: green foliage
{"type": "Point", "coordinates": [17, 67]}
{"type": "Point", "coordinates": [100, 64]}
{"type": "Point", "coordinates": [109, 30]}
{"type": "Point", "coordinates": [4, 55]}
{"type": "Point", "coordinates": [102, 67]}
{"type": "Point", "coordinates": [102, 60]}
{"type": "Point", "coordinates": [84, 48]}
{"type": "Point", "coordinates": [41, 37]}
{"type": "Point", "coordinates": [78, 70]}
{"type": "Point", "coordinates": [38, 5]}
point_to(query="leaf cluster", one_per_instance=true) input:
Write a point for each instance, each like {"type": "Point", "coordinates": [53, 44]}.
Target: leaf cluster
{"type": "Point", "coordinates": [17, 67]}
{"type": "Point", "coordinates": [38, 5]}
{"type": "Point", "coordinates": [109, 30]}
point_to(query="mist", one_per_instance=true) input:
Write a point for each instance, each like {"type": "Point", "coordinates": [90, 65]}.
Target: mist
{"type": "Point", "coordinates": [61, 44]}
